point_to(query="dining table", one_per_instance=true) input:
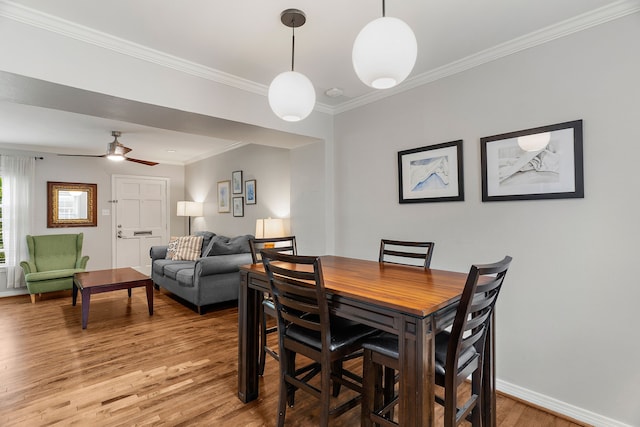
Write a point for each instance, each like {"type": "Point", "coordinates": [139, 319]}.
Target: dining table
{"type": "Point", "coordinates": [413, 303]}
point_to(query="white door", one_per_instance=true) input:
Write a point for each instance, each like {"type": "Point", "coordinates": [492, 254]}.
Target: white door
{"type": "Point", "coordinates": [140, 219]}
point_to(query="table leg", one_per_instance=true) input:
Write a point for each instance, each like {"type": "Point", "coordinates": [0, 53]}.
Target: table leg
{"type": "Point", "coordinates": [86, 297]}
{"type": "Point", "coordinates": [74, 294]}
{"type": "Point", "coordinates": [129, 292]}
{"type": "Point", "coordinates": [248, 337]}
{"type": "Point", "coordinates": [417, 372]}
{"type": "Point", "coordinates": [149, 288]}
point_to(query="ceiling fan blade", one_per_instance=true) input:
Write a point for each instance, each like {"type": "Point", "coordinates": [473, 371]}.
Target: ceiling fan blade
{"type": "Point", "coordinates": [143, 162]}
{"type": "Point", "coordinates": [126, 149]}
{"type": "Point", "coordinates": [83, 155]}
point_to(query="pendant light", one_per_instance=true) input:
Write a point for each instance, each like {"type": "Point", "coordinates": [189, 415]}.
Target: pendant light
{"type": "Point", "coordinates": [291, 94]}
{"type": "Point", "coordinates": [384, 52]}
{"type": "Point", "coordinates": [534, 142]}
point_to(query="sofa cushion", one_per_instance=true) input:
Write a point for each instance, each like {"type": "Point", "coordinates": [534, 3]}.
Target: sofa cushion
{"type": "Point", "coordinates": [221, 245]}
{"type": "Point", "coordinates": [189, 248]}
{"type": "Point", "coordinates": [206, 239]}
{"type": "Point", "coordinates": [171, 270]}
{"type": "Point", "coordinates": [185, 277]}
{"type": "Point", "coordinates": [159, 265]}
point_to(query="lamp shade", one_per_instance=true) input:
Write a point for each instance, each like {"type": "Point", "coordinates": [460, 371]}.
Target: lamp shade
{"type": "Point", "coordinates": [291, 96]}
{"type": "Point", "coordinates": [384, 52]}
{"type": "Point", "coordinates": [270, 227]}
{"type": "Point", "coordinates": [190, 208]}
{"type": "Point", "coordinates": [534, 142]}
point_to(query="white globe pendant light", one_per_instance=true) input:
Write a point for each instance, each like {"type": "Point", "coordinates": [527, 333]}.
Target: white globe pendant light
{"type": "Point", "coordinates": [291, 94]}
{"type": "Point", "coordinates": [534, 142]}
{"type": "Point", "coordinates": [384, 52]}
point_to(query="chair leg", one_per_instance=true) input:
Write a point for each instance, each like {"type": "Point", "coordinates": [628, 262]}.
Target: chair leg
{"type": "Point", "coordinates": [263, 342]}
{"type": "Point", "coordinates": [476, 389]}
{"type": "Point", "coordinates": [371, 384]}
{"type": "Point", "coordinates": [336, 369]}
{"type": "Point", "coordinates": [325, 396]}
{"type": "Point", "coordinates": [33, 298]}
{"type": "Point", "coordinates": [389, 388]}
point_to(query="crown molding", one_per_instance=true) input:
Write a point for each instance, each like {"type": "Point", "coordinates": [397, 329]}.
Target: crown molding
{"type": "Point", "coordinates": [570, 26]}
{"type": "Point", "coordinates": [66, 28]}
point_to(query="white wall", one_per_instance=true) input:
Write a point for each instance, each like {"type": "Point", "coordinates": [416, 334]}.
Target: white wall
{"type": "Point", "coordinates": [269, 166]}
{"type": "Point", "coordinates": [97, 240]}
{"type": "Point", "coordinates": [566, 325]}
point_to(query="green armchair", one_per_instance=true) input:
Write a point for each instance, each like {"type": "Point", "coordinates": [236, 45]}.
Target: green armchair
{"type": "Point", "coordinates": [53, 259]}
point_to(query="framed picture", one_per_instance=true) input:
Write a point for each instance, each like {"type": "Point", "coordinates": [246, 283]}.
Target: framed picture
{"type": "Point", "coordinates": [236, 182]}
{"type": "Point", "coordinates": [238, 206]}
{"type": "Point", "coordinates": [250, 191]}
{"type": "Point", "coordinates": [71, 204]}
{"type": "Point", "coordinates": [431, 174]}
{"type": "Point", "coordinates": [539, 163]}
{"type": "Point", "coordinates": [224, 197]}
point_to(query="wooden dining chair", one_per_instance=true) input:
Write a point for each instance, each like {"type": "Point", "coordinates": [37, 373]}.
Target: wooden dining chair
{"type": "Point", "coordinates": [287, 245]}
{"type": "Point", "coordinates": [458, 354]}
{"type": "Point", "coordinates": [305, 327]}
{"type": "Point", "coordinates": [406, 253]}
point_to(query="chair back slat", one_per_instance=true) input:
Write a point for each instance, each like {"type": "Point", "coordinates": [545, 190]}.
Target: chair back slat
{"type": "Point", "coordinates": [474, 313]}
{"type": "Point", "coordinates": [406, 253]}
{"type": "Point", "coordinates": [285, 244]}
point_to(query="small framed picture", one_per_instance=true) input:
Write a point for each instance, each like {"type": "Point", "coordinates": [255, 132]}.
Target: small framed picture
{"type": "Point", "coordinates": [238, 206]}
{"type": "Point", "coordinates": [533, 164]}
{"type": "Point", "coordinates": [236, 182]}
{"type": "Point", "coordinates": [224, 200]}
{"type": "Point", "coordinates": [250, 191]}
{"type": "Point", "coordinates": [431, 174]}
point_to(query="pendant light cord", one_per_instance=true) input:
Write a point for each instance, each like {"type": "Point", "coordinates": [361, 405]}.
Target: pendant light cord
{"type": "Point", "coordinates": [293, 42]}
{"type": "Point", "coordinates": [383, 11]}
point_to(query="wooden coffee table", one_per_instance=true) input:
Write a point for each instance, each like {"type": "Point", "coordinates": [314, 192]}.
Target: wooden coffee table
{"type": "Point", "coordinates": [95, 282]}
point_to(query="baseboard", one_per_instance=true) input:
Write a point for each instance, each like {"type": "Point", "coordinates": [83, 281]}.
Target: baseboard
{"type": "Point", "coordinates": [557, 406]}
{"type": "Point", "coordinates": [14, 293]}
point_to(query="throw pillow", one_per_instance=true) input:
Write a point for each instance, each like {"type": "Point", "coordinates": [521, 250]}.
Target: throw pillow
{"type": "Point", "coordinates": [171, 247]}
{"type": "Point", "coordinates": [221, 245]}
{"type": "Point", "coordinates": [188, 249]}
{"type": "Point", "coordinates": [206, 239]}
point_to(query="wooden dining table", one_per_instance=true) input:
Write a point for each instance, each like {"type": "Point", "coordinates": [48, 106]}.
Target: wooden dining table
{"type": "Point", "coordinates": [411, 302]}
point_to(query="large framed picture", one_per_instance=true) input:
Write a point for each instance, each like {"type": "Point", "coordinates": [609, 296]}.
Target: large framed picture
{"type": "Point", "coordinates": [250, 191]}
{"type": "Point", "coordinates": [236, 182]}
{"type": "Point", "coordinates": [538, 163]}
{"type": "Point", "coordinates": [238, 206]}
{"type": "Point", "coordinates": [224, 196]}
{"type": "Point", "coordinates": [431, 174]}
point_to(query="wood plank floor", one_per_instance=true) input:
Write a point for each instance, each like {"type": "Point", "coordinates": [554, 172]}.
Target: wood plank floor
{"type": "Point", "coordinates": [128, 368]}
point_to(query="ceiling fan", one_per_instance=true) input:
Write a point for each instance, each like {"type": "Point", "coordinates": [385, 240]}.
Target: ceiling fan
{"type": "Point", "coordinates": [115, 152]}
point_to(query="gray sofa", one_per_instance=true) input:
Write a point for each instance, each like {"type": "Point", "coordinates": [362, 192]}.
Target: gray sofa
{"type": "Point", "coordinates": [212, 278]}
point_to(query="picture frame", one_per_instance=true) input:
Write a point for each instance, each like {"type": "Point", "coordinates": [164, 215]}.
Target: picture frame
{"type": "Point", "coordinates": [71, 204]}
{"type": "Point", "coordinates": [555, 171]}
{"type": "Point", "coordinates": [433, 173]}
{"type": "Point", "coordinates": [224, 196]}
{"type": "Point", "coordinates": [238, 206]}
{"type": "Point", "coordinates": [236, 182]}
{"type": "Point", "coordinates": [250, 192]}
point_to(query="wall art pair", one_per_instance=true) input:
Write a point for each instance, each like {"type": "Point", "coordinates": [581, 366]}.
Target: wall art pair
{"type": "Point", "coordinates": [512, 167]}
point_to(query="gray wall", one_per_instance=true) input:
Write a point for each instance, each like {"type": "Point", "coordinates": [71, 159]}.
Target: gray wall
{"type": "Point", "coordinates": [269, 166]}
{"type": "Point", "coordinates": [566, 317]}
{"type": "Point", "coordinates": [97, 240]}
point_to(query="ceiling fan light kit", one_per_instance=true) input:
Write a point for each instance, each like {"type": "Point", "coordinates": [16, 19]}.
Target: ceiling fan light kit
{"type": "Point", "coordinates": [384, 52]}
{"type": "Point", "coordinates": [291, 94]}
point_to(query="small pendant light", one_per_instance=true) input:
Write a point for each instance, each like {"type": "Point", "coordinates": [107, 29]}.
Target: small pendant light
{"type": "Point", "coordinates": [384, 52]}
{"type": "Point", "coordinates": [291, 94]}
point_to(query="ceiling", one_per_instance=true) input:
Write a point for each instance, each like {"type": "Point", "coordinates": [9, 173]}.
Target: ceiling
{"type": "Point", "coordinates": [244, 42]}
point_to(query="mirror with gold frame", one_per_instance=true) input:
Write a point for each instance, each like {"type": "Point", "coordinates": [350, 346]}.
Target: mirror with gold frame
{"type": "Point", "coordinates": [71, 204]}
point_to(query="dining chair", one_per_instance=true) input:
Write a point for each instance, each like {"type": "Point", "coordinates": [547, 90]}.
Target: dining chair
{"type": "Point", "coordinates": [285, 244]}
{"type": "Point", "coordinates": [406, 253]}
{"type": "Point", "coordinates": [305, 327]}
{"type": "Point", "coordinates": [458, 354]}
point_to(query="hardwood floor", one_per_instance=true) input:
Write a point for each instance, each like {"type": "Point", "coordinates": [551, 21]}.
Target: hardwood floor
{"type": "Point", "coordinates": [128, 368]}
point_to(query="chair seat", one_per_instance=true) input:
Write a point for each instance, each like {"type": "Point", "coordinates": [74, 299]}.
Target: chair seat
{"type": "Point", "coordinates": [344, 333]}
{"type": "Point", "coordinates": [387, 345]}
{"type": "Point", "coordinates": [40, 276]}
